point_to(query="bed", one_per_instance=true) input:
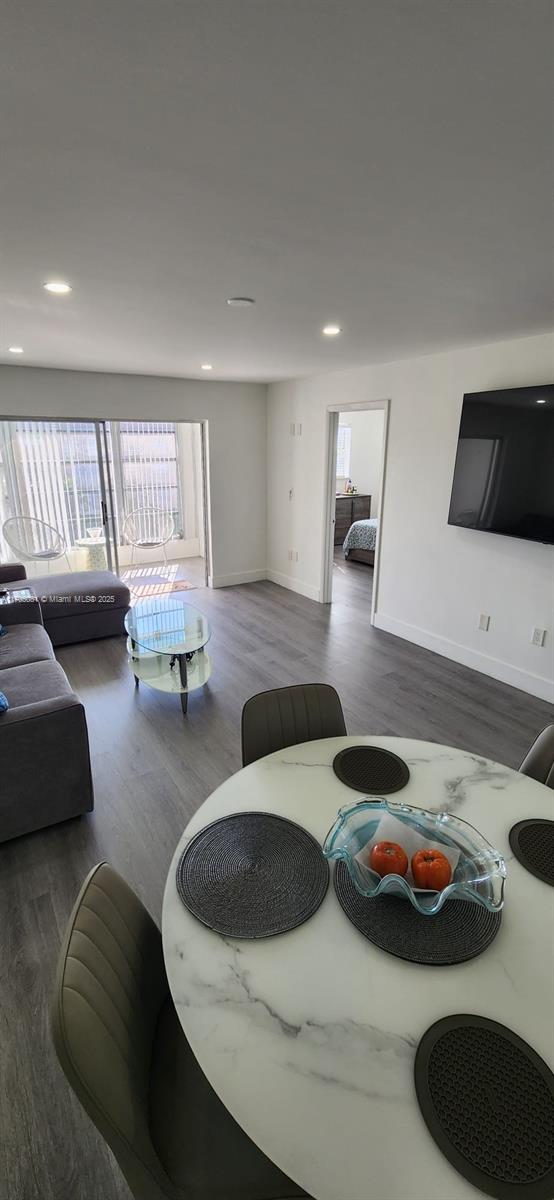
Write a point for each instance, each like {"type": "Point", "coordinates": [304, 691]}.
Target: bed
{"type": "Point", "coordinates": [359, 543]}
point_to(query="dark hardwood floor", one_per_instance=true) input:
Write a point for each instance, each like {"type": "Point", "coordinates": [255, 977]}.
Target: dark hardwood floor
{"type": "Point", "coordinates": [152, 768]}
{"type": "Point", "coordinates": [352, 581]}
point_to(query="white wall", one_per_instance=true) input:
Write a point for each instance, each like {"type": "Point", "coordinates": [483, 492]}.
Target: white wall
{"type": "Point", "coordinates": [366, 452]}
{"type": "Point", "coordinates": [236, 416]}
{"type": "Point", "coordinates": [435, 579]}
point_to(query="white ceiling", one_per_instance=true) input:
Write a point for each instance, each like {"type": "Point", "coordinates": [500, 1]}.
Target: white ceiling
{"type": "Point", "coordinates": [386, 164]}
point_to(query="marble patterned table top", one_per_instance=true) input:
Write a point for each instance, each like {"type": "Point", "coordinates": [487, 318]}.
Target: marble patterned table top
{"type": "Point", "coordinates": [309, 1038]}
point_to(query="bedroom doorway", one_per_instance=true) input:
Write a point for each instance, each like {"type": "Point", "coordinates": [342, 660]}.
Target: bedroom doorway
{"type": "Point", "coordinates": [356, 444]}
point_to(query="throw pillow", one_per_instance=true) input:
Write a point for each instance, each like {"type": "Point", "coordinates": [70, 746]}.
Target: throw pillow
{"type": "Point", "coordinates": [4, 705]}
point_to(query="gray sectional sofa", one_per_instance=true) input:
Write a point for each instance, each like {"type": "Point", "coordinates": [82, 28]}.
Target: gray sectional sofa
{"type": "Point", "coordinates": [45, 774]}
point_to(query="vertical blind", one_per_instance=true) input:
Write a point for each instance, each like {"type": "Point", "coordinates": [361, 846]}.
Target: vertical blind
{"type": "Point", "coordinates": [344, 440]}
{"type": "Point", "coordinates": [150, 467]}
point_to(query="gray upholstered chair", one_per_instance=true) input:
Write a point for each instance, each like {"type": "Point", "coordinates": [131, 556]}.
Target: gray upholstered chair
{"type": "Point", "coordinates": [287, 716]}
{"type": "Point", "coordinates": [539, 760]}
{"type": "Point", "coordinates": [120, 1044]}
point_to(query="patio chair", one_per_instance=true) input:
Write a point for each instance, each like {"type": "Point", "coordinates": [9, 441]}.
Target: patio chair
{"type": "Point", "coordinates": [34, 540]}
{"type": "Point", "coordinates": [148, 529]}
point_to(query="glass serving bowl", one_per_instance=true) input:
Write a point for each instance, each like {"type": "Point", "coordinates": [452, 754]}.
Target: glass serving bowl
{"type": "Point", "coordinates": [479, 874]}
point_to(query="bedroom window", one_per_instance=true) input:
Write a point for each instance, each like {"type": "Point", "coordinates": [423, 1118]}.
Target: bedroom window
{"type": "Point", "coordinates": [344, 441]}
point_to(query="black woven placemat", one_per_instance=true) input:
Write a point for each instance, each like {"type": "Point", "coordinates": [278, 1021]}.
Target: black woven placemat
{"type": "Point", "coordinates": [488, 1101]}
{"type": "Point", "coordinates": [532, 842]}
{"type": "Point", "coordinates": [461, 930]}
{"type": "Point", "coordinates": [252, 875]}
{"type": "Point", "coordinates": [371, 769]}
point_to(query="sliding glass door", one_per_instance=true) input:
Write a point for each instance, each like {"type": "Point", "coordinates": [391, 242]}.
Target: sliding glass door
{"type": "Point", "coordinates": [85, 495]}
{"type": "Point", "coordinates": [56, 496]}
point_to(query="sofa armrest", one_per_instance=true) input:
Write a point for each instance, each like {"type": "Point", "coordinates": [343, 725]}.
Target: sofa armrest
{"type": "Point", "coordinates": [21, 612]}
{"type": "Point", "coordinates": [52, 733]}
{"type": "Point", "coordinates": [12, 572]}
{"type": "Point", "coordinates": [37, 708]}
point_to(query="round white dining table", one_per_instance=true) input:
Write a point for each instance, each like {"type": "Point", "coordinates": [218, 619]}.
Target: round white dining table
{"type": "Point", "coordinates": [309, 1037]}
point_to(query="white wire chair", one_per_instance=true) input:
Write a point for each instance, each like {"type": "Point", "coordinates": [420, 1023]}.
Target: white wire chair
{"type": "Point", "coordinates": [148, 529]}
{"type": "Point", "coordinates": [34, 540]}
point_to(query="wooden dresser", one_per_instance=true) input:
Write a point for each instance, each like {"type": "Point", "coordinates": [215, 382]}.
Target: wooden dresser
{"type": "Point", "coordinates": [347, 510]}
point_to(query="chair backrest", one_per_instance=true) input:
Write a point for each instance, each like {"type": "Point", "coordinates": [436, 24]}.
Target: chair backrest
{"type": "Point", "coordinates": [539, 760]}
{"type": "Point", "coordinates": [148, 526]}
{"type": "Point", "coordinates": [32, 538]}
{"type": "Point", "coordinates": [110, 987]}
{"type": "Point", "coordinates": [289, 715]}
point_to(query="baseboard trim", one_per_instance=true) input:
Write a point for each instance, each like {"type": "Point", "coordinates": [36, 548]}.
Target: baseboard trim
{"type": "Point", "coordinates": [526, 681]}
{"type": "Point", "coordinates": [294, 585]}
{"type": "Point", "coordinates": [217, 581]}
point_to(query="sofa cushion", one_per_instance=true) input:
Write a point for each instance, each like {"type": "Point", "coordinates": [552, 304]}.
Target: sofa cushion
{"type": "Point", "coordinates": [34, 682]}
{"type": "Point", "coordinates": [23, 644]}
{"type": "Point", "coordinates": [78, 592]}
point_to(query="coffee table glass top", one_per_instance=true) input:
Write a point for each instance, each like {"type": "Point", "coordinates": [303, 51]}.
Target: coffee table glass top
{"type": "Point", "coordinates": [167, 625]}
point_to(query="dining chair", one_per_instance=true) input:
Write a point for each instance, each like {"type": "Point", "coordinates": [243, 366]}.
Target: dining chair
{"type": "Point", "coordinates": [121, 1046]}
{"type": "Point", "coordinates": [35, 540]}
{"type": "Point", "coordinates": [539, 760]}
{"type": "Point", "coordinates": [289, 715]}
{"type": "Point", "coordinates": [148, 529]}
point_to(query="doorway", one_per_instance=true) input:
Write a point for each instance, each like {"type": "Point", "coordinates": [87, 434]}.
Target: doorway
{"type": "Point", "coordinates": [89, 495]}
{"type": "Point", "coordinates": [356, 455]}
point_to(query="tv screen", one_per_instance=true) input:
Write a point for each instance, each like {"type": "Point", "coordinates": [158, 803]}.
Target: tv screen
{"type": "Point", "coordinates": [504, 473]}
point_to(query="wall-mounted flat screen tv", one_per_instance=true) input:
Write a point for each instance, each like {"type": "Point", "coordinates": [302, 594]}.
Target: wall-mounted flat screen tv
{"type": "Point", "coordinates": [504, 473]}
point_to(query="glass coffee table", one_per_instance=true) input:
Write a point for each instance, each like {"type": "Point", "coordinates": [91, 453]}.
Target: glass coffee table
{"type": "Point", "coordinates": [167, 645]}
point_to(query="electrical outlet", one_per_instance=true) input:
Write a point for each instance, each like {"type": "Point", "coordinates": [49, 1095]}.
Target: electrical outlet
{"type": "Point", "coordinates": [537, 637]}
{"type": "Point", "coordinates": [484, 622]}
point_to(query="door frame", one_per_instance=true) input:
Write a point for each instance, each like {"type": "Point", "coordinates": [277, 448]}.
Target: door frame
{"type": "Point", "coordinates": [107, 494]}
{"type": "Point", "coordinates": [332, 424]}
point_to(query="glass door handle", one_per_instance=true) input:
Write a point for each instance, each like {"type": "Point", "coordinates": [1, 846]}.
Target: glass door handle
{"type": "Point", "coordinates": [104, 513]}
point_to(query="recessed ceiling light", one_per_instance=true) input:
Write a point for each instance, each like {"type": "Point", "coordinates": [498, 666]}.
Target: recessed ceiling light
{"type": "Point", "coordinates": [240, 301]}
{"type": "Point", "coordinates": [207, 367]}
{"type": "Point", "coordinates": [15, 349]}
{"type": "Point", "coordinates": [541, 401]}
{"type": "Point", "coordinates": [331, 330]}
{"type": "Point", "coordinates": [58, 286]}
